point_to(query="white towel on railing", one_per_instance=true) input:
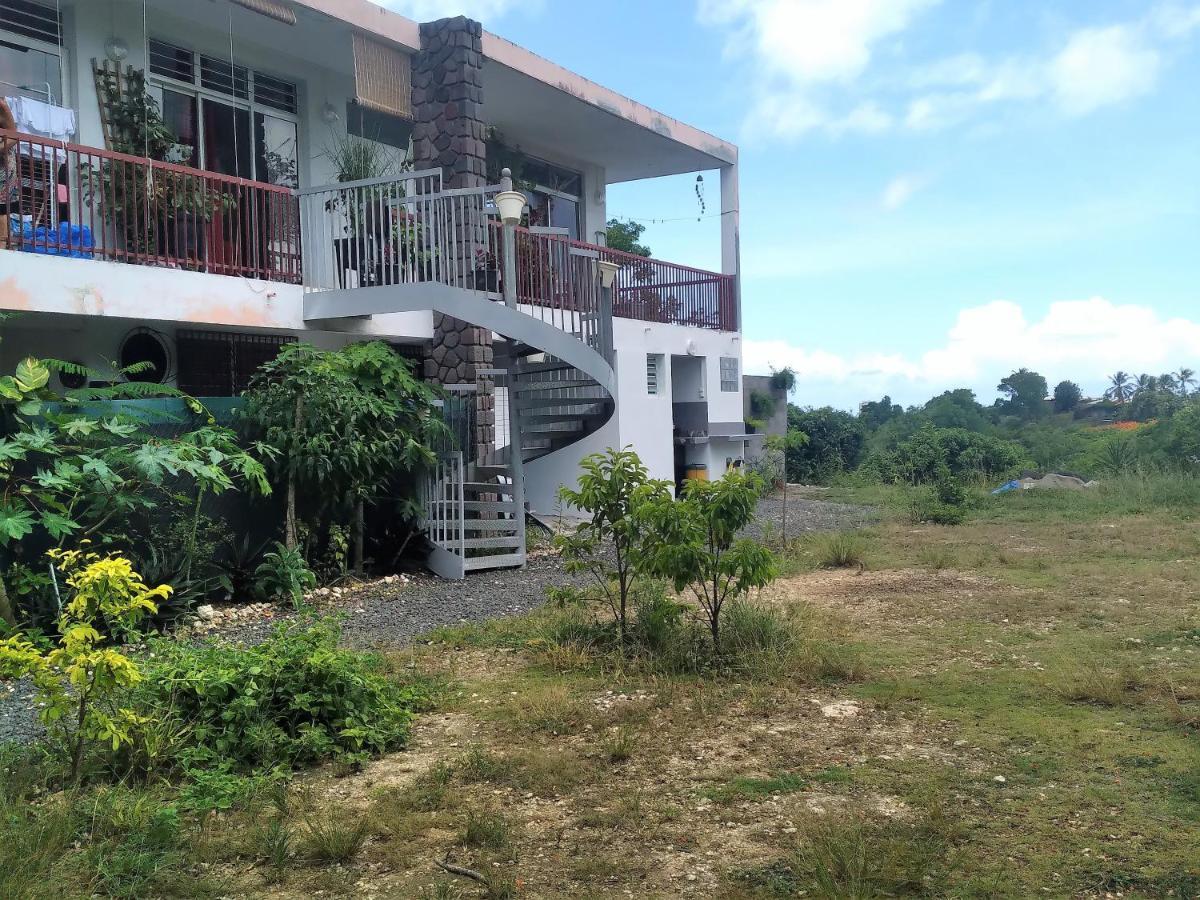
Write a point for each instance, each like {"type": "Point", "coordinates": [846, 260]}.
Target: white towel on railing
{"type": "Point", "coordinates": [41, 118]}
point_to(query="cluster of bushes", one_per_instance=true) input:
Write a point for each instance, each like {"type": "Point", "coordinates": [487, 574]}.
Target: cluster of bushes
{"type": "Point", "coordinates": [952, 442]}
{"type": "Point", "coordinates": [208, 713]}
{"type": "Point", "coordinates": [323, 450]}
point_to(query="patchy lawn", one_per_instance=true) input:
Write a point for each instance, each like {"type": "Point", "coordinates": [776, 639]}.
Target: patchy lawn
{"type": "Point", "coordinates": [1007, 708]}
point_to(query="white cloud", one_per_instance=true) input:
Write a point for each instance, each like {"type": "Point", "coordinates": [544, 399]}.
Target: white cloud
{"type": "Point", "coordinates": [1101, 66]}
{"type": "Point", "coordinates": [900, 190]}
{"type": "Point", "coordinates": [799, 46]}
{"type": "Point", "coordinates": [428, 10]}
{"type": "Point", "coordinates": [1083, 340]}
{"type": "Point", "coordinates": [812, 60]}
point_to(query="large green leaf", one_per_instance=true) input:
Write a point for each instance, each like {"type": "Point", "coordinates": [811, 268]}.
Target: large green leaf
{"type": "Point", "coordinates": [31, 375]}
{"type": "Point", "coordinates": [15, 523]}
{"type": "Point", "coordinates": [9, 389]}
{"type": "Point", "coordinates": [59, 526]}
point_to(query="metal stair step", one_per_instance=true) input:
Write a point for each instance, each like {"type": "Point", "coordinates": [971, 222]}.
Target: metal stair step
{"type": "Point", "coordinates": [548, 366]}
{"type": "Point", "coordinates": [486, 487]}
{"type": "Point", "coordinates": [560, 427]}
{"type": "Point", "coordinates": [491, 471]}
{"type": "Point", "coordinates": [509, 525]}
{"type": "Point", "coordinates": [497, 561]}
{"type": "Point", "coordinates": [585, 411]}
{"type": "Point", "coordinates": [487, 543]}
{"type": "Point", "coordinates": [531, 387]}
{"type": "Point", "coordinates": [500, 506]}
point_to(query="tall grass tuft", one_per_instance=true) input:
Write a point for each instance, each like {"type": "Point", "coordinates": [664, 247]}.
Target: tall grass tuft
{"type": "Point", "coordinates": [334, 839]}
{"type": "Point", "coordinates": [839, 550]}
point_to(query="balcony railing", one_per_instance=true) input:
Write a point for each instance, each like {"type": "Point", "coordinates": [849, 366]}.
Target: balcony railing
{"type": "Point", "coordinates": [96, 204]}
{"type": "Point", "coordinates": [647, 289]}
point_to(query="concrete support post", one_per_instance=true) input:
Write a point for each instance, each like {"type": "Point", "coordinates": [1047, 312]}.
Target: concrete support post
{"type": "Point", "coordinates": [731, 240]}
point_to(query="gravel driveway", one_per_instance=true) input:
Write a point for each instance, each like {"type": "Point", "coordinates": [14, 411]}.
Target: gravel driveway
{"type": "Point", "coordinates": [398, 616]}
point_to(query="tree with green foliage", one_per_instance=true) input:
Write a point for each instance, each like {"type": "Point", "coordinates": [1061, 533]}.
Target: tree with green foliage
{"type": "Point", "coordinates": [693, 541]}
{"type": "Point", "coordinates": [345, 422]}
{"type": "Point", "coordinates": [836, 442]}
{"type": "Point", "coordinates": [922, 458]}
{"type": "Point", "coordinates": [70, 473]}
{"type": "Point", "coordinates": [78, 680]}
{"type": "Point", "coordinates": [626, 235]}
{"type": "Point", "coordinates": [1067, 396]}
{"type": "Point", "coordinates": [1185, 380]}
{"type": "Point", "coordinates": [1025, 394]}
{"type": "Point", "coordinates": [1120, 387]}
{"type": "Point", "coordinates": [875, 414]}
{"type": "Point", "coordinates": [783, 379]}
{"type": "Point", "coordinates": [612, 487]}
{"type": "Point", "coordinates": [957, 409]}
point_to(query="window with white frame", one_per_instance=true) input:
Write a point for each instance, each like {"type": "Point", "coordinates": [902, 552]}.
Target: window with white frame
{"type": "Point", "coordinates": [30, 51]}
{"type": "Point", "coordinates": [729, 373]}
{"type": "Point", "coordinates": [228, 118]}
{"type": "Point", "coordinates": [654, 368]}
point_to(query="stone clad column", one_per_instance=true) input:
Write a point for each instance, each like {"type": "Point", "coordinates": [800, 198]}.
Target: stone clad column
{"type": "Point", "coordinates": [447, 102]}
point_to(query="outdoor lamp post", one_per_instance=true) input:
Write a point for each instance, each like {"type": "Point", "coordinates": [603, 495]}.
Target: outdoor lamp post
{"type": "Point", "coordinates": [510, 203]}
{"type": "Point", "coordinates": [608, 275]}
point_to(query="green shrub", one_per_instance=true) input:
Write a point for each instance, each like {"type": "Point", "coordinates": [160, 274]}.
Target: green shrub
{"type": "Point", "coordinates": [838, 549]}
{"type": "Point", "coordinates": [292, 700]}
{"type": "Point", "coordinates": [487, 830]}
{"type": "Point", "coordinates": [334, 839]}
{"type": "Point", "coordinates": [923, 458]}
{"type": "Point", "coordinates": [283, 575]}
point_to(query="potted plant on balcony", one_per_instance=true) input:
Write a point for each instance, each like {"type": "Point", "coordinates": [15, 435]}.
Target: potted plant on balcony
{"type": "Point", "coordinates": [179, 203]}
{"type": "Point", "coordinates": [487, 272]}
{"type": "Point", "coordinates": [355, 159]}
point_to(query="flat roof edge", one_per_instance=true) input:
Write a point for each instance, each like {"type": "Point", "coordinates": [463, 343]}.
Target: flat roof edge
{"type": "Point", "coordinates": [392, 26]}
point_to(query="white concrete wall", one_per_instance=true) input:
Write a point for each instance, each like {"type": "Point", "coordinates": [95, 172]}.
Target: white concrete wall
{"type": "Point", "coordinates": [35, 283]}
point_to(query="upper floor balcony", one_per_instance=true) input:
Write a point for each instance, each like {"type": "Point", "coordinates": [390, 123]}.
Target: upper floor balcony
{"type": "Point", "coordinates": [87, 203]}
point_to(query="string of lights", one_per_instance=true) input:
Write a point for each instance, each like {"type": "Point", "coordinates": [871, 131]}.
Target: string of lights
{"type": "Point", "coordinates": [652, 220]}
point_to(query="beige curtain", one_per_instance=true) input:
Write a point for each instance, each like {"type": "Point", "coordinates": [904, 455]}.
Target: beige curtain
{"type": "Point", "coordinates": [271, 8]}
{"type": "Point", "coordinates": [382, 77]}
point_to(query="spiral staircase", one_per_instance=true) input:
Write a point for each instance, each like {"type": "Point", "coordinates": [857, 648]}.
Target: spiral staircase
{"type": "Point", "coordinates": [406, 244]}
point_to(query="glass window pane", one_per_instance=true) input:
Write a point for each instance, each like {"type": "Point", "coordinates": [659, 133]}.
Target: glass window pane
{"type": "Point", "coordinates": [564, 214]}
{"type": "Point", "coordinates": [179, 114]}
{"type": "Point", "coordinates": [28, 72]}
{"type": "Point", "coordinates": [226, 139]}
{"type": "Point", "coordinates": [276, 159]}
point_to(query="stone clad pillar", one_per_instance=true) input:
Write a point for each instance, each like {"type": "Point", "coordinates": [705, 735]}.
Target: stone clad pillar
{"type": "Point", "coordinates": [447, 103]}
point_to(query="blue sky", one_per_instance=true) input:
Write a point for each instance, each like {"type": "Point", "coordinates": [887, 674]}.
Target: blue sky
{"type": "Point", "coordinates": [933, 192]}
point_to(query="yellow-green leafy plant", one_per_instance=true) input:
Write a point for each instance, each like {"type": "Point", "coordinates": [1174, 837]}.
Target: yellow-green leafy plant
{"type": "Point", "coordinates": [78, 680]}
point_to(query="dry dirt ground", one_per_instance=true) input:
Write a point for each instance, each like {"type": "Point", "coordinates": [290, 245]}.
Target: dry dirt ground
{"type": "Point", "coordinates": [1004, 709]}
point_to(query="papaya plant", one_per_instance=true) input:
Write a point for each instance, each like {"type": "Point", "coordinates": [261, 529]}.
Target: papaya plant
{"type": "Point", "coordinates": [72, 468]}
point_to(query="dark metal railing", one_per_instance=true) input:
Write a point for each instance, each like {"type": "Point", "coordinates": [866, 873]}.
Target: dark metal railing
{"type": "Point", "coordinates": [88, 203]}
{"type": "Point", "coordinates": [647, 289]}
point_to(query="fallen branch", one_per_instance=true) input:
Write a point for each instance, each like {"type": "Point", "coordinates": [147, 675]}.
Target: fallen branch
{"type": "Point", "coordinates": [460, 870]}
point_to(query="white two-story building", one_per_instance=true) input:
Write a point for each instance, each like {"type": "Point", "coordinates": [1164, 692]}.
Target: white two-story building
{"type": "Point", "coordinates": [196, 182]}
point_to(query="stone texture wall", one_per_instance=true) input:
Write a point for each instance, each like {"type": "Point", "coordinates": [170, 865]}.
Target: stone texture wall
{"type": "Point", "coordinates": [447, 102]}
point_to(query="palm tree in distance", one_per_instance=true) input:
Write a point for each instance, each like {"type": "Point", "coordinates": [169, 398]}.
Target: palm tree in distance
{"type": "Point", "coordinates": [1185, 380]}
{"type": "Point", "coordinates": [1120, 389]}
{"type": "Point", "coordinates": [1167, 382]}
{"type": "Point", "coordinates": [1145, 384]}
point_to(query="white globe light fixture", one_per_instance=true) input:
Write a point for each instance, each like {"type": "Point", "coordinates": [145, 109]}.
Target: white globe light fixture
{"type": "Point", "coordinates": [608, 272]}
{"type": "Point", "coordinates": [510, 204]}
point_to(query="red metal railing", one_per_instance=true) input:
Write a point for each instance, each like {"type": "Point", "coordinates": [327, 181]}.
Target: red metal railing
{"type": "Point", "coordinates": [89, 203]}
{"type": "Point", "coordinates": [646, 289]}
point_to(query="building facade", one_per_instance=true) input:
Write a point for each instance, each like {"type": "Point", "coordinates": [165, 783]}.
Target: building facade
{"type": "Point", "coordinates": [327, 171]}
